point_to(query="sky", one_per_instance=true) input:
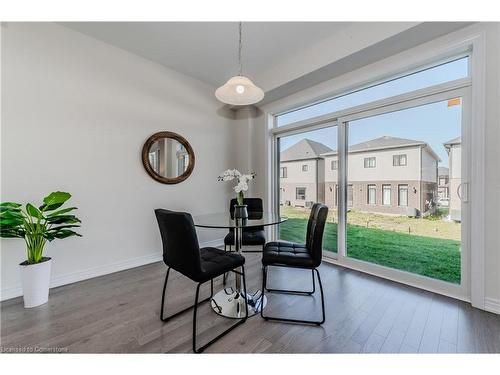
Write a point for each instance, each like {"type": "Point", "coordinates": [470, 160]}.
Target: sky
{"type": "Point", "coordinates": [433, 123]}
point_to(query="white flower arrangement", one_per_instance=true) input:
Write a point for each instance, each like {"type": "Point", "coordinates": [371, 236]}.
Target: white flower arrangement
{"type": "Point", "coordinates": [242, 184]}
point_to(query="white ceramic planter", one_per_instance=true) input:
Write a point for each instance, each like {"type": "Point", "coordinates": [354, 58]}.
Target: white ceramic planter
{"type": "Point", "coordinates": [35, 279]}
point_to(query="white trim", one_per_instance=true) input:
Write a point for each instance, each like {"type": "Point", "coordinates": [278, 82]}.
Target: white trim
{"type": "Point", "coordinates": [401, 277]}
{"type": "Point", "coordinates": [492, 305]}
{"type": "Point", "coordinates": [430, 53]}
{"type": "Point", "coordinates": [342, 184]}
{"type": "Point", "coordinates": [89, 273]}
{"type": "Point", "coordinates": [403, 71]}
{"type": "Point", "coordinates": [477, 171]}
{"type": "Point", "coordinates": [359, 110]}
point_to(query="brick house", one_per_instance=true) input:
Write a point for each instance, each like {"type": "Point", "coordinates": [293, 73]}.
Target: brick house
{"type": "Point", "coordinates": [386, 175]}
{"type": "Point", "coordinates": [302, 172]}
{"type": "Point", "coordinates": [443, 182]}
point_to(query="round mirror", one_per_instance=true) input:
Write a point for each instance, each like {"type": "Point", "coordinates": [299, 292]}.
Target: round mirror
{"type": "Point", "coordinates": [168, 157]}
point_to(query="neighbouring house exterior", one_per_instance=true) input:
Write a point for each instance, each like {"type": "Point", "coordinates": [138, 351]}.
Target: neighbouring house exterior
{"type": "Point", "coordinates": [454, 149]}
{"type": "Point", "coordinates": [443, 182]}
{"type": "Point", "coordinates": [385, 175]}
{"type": "Point", "coordinates": [302, 173]}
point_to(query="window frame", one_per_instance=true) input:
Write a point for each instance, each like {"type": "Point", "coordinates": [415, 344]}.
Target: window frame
{"type": "Point", "coordinates": [367, 162]}
{"type": "Point", "coordinates": [398, 157]}
{"type": "Point", "coordinates": [297, 194]}
{"type": "Point", "coordinates": [402, 73]}
{"type": "Point", "coordinates": [283, 172]}
{"type": "Point", "coordinates": [305, 167]}
{"type": "Point", "coordinates": [459, 42]}
{"type": "Point", "coordinates": [332, 163]}
{"type": "Point", "coordinates": [404, 187]}
{"type": "Point", "coordinates": [369, 188]}
{"type": "Point", "coordinates": [386, 187]}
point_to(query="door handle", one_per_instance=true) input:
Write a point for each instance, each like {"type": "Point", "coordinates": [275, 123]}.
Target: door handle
{"type": "Point", "coordinates": [463, 192]}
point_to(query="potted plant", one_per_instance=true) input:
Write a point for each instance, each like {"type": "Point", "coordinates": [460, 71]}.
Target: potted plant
{"type": "Point", "coordinates": [240, 210]}
{"type": "Point", "coordinates": [37, 226]}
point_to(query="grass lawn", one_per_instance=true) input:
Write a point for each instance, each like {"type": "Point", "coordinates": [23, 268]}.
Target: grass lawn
{"type": "Point", "coordinates": [433, 257]}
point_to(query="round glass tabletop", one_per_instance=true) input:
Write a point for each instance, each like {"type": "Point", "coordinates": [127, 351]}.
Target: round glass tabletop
{"type": "Point", "coordinates": [224, 220]}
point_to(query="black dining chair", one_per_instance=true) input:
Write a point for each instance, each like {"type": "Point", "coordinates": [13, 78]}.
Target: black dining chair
{"type": "Point", "coordinates": [181, 252]}
{"type": "Point", "coordinates": [308, 256]}
{"type": "Point", "coordinates": [254, 236]}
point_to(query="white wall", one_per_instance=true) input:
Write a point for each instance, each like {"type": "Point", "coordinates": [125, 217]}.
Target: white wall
{"type": "Point", "coordinates": [295, 174]}
{"type": "Point", "coordinates": [347, 40]}
{"type": "Point", "coordinates": [398, 62]}
{"type": "Point", "coordinates": [429, 166]}
{"type": "Point", "coordinates": [492, 162]}
{"type": "Point", "coordinates": [75, 114]}
{"type": "Point", "coordinates": [383, 171]}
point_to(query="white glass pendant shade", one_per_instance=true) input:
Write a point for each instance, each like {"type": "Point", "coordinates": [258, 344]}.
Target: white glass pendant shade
{"type": "Point", "coordinates": [239, 90]}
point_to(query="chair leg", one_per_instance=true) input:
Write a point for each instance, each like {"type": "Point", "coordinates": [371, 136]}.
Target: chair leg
{"type": "Point", "coordinates": [240, 321]}
{"type": "Point", "coordinates": [264, 283]}
{"type": "Point", "coordinates": [224, 276]}
{"type": "Point", "coordinates": [299, 292]}
{"type": "Point", "coordinates": [167, 318]}
{"type": "Point", "coordinates": [322, 297]}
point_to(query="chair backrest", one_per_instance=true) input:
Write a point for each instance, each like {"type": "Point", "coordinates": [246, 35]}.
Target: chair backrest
{"type": "Point", "coordinates": [315, 229]}
{"type": "Point", "coordinates": [255, 210]}
{"type": "Point", "coordinates": [181, 249]}
{"type": "Point", "coordinates": [254, 205]}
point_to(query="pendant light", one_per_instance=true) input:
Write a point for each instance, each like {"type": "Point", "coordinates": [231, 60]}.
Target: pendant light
{"type": "Point", "coordinates": [239, 90]}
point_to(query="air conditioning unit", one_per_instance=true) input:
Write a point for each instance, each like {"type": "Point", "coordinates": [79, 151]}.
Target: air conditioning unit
{"type": "Point", "coordinates": [411, 212]}
{"type": "Point", "coordinates": [309, 204]}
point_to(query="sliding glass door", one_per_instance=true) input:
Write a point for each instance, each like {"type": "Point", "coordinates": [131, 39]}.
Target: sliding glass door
{"type": "Point", "coordinates": [392, 170]}
{"type": "Point", "coordinates": [405, 189]}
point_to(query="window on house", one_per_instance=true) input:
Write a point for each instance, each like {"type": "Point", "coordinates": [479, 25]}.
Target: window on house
{"type": "Point", "coordinates": [372, 193]}
{"type": "Point", "coordinates": [403, 195]}
{"type": "Point", "coordinates": [300, 193]}
{"type": "Point", "coordinates": [370, 162]}
{"type": "Point", "coordinates": [386, 195]}
{"type": "Point", "coordinates": [350, 196]}
{"type": "Point", "coordinates": [334, 165]}
{"type": "Point", "coordinates": [399, 160]}
{"type": "Point", "coordinates": [283, 172]}
{"type": "Point", "coordinates": [443, 180]}
{"type": "Point", "coordinates": [305, 168]}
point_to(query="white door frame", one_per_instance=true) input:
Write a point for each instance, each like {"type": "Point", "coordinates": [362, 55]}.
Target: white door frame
{"type": "Point", "coordinates": [461, 291]}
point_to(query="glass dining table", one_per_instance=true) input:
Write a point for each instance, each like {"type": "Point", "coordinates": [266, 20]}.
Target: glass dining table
{"type": "Point", "coordinates": [229, 302]}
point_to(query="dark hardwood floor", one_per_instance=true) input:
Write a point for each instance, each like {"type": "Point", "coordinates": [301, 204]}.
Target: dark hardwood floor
{"type": "Point", "coordinates": [120, 313]}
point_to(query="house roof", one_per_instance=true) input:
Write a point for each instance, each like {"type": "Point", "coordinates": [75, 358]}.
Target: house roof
{"type": "Point", "coordinates": [386, 142]}
{"type": "Point", "coordinates": [454, 141]}
{"type": "Point", "coordinates": [304, 149]}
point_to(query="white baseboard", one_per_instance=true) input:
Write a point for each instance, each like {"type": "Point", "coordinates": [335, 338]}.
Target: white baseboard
{"type": "Point", "coordinates": [73, 277]}
{"type": "Point", "coordinates": [492, 305]}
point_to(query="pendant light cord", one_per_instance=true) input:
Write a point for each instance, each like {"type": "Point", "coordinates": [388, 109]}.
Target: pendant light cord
{"type": "Point", "coordinates": [239, 52]}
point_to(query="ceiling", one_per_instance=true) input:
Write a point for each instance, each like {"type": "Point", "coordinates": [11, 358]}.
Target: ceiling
{"type": "Point", "coordinates": [209, 50]}
{"type": "Point", "coordinates": [280, 57]}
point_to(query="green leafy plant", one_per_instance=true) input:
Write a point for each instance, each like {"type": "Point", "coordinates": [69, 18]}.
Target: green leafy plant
{"type": "Point", "coordinates": [38, 225]}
